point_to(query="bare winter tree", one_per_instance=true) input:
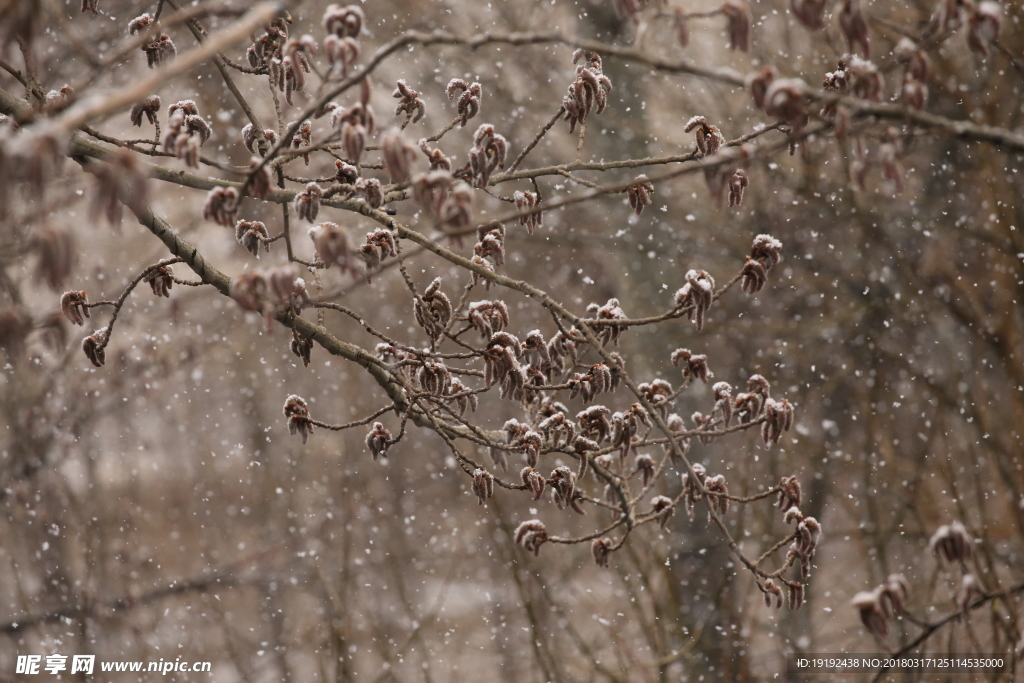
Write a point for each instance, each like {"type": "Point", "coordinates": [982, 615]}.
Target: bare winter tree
{"type": "Point", "coordinates": [564, 278]}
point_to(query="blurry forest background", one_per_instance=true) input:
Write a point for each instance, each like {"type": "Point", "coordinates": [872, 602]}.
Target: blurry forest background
{"type": "Point", "coordinates": [158, 508]}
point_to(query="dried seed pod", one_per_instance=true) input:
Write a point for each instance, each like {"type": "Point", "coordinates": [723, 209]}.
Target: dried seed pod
{"type": "Point", "coordinates": [709, 138]}
{"type": "Point", "coordinates": [562, 349]}
{"type": "Point", "coordinates": [248, 290]}
{"type": "Point", "coordinates": [914, 93]}
{"type": "Point", "coordinates": [355, 124]}
{"type": "Point", "coordinates": [291, 65]}
{"type": "Point", "coordinates": [769, 589]}
{"type": "Point", "coordinates": [793, 514]}
{"type": "Point", "coordinates": [95, 346]}
{"type": "Point", "coordinates": [483, 485]}
{"type": "Point", "coordinates": [341, 53]}
{"type": "Point", "coordinates": [737, 183]}
{"type": "Point", "coordinates": [399, 156]}
{"type": "Point", "coordinates": [696, 296]}
{"type": "Point", "coordinates": [249, 138]}
{"type": "Point", "coordinates": [790, 493]}
{"type": "Point", "coordinates": [332, 246]}
{"type": "Point", "coordinates": [297, 413]}
{"type": "Point", "coordinates": [499, 362]}
{"type": "Point", "coordinates": [463, 397]}
{"type": "Point", "coordinates": [531, 535]}
{"type": "Point", "coordinates": [855, 27]}
{"type": "Point", "coordinates": [378, 440]}
{"type": "Point", "coordinates": [75, 307]}
{"type": "Point", "coordinates": [590, 89]}
{"type": "Point", "coordinates": [434, 378]}
{"type": "Point", "coordinates": [371, 190]}
{"type": "Point", "coordinates": [488, 154]}
{"type": "Point", "coordinates": [778, 418]}
{"type": "Point", "coordinates": [838, 80]}
{"type": "Point", "coordinates": [796, 595]}
{"type": "Point", "coordinates": [629, 9]}
{"type": "Point", "coordinates": [301, 346]}
{"type": "Point", "coordinates": [985, 23]}
{"type": "Point", "coordinates": [285, 288]}
{"type": "Point", "coordinates": [534, 347]}
{"type": "Point", "coordinates": [526, 201]}
{"type": "Point", "coordinates": [533, 480]}
{"type": "Point", "coordinates": [583, 446]}
{"type": "Point", "coordinates": [409, 102]}
{"type": "Point", "coordinates": [514, 430]}
{"type": "Point", "coordinates": [723, 403]}
{"type": "Point", "coordinates": [492, 245]}
{"type": "Point", "coordinates": [758, 84]}
{"type": "Point", "coordinates": [488, 317]}
{"type": "Point", "coordinates": [893, 594]}
{"type": "Point", "coordinates": [252, 235]}
{"type": "Point", "coordinates": [738, 14]}
{"type": "Point", "coordinates": [57, 252]}
{"type": "Point", "coordinates": [601, 548]}
{"type": "Point", "coordinates": [663, 508]}
{"type": "Point", "coordinates": [702, 423]}
{"type": "Point", "coordinates": [221, 206]}
{"type": "Point", "coordinates": [810, 13]}
{"type": "Point", "coordinates": [58, 100]}
{"type": "Point", "coordinates": [595, 422]}
{"type": "Point", "coordinates": [558, 429]}
{"type": "Point", "coordinates": [809, 531]}
{"type": "Point", "coordinates": [140, 23]}
{"type": "Point", "coordinates": [639, 194]}
{"type": "Point", "coordinates": [767, 249]}
{"type": "Point", "coordinates": [913, 58]}
{"type": "Point", "coordinates": [867, 81]}
{"type": "Point", "coordinates": [872, 614]}
{"type": "Point", "coordinates": [431, 190]}
{"type": "Point", "coordinates": [785, 99]}
{"type": "Point", "coordinates": [148, 108]}
{"type": "Point", "coordinates": [969, 591]}
{"type": "Point", "coordinates": [952, 542]}
{"type": "Point", "coordinates": [646, 467]}
{"type": "Point", "coordinates": [625, 426]}
{"type": "Point", "coordinates": [717, 493]}
{"type": "Point", "coordinates": [456, 210]}
{"type": "Point", "coordinates": [437, 158]}
{"type": "Point", "coordinates": [307, 203]}
{"type": "Point", "coordinates": [186, 107]}
{"type": "Point", "coordinates": [196, 125]}
{"type": "Point", "coordinates": [346, 174]}
{"type": "Point", "coordinates": [179, 142]}
{"type": "Point", "coordinates": [160, 280]}
{"type": "Point", "coordinates": [159, 49]}
{"type": "Point", "coordinates": [260, 182]}
{"type": "Point", "coordinates": [468, 105]}
{"type": "Point", "coordinates": [563, 486]}
{"type": "Point", "coordinates": [658, 393]}
{"type": "Point", "coordinates": [754, 276]}
{"type": "Point", "coordinates": [120, 182]}
{"type": "Point", "coordinates": [344, 22]}
{"type": "Point", "coordinates": [433, 310]}
{"type": "Point", "coordinates": [379, 245]}
{"type": "Point", "coordinates": [692, 486]}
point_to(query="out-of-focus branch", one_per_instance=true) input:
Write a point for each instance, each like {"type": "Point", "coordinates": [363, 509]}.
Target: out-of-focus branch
{"type": "Point", "coordinates": [105, 608]}
{"type": "Point", "coordinates": [931, 628]}
{"type": "Point", "coordinates": [92, 107]}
